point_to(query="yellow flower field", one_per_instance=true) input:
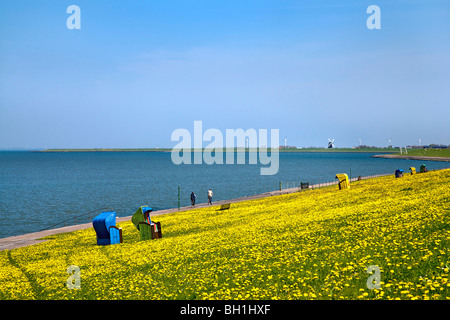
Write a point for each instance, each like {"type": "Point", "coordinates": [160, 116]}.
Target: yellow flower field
{"type": "Point", "coordinates": [315, 244]}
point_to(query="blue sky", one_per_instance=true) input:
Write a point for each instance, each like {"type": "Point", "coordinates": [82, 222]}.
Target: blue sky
{"type": "Point", "coordinates": [138, 70]}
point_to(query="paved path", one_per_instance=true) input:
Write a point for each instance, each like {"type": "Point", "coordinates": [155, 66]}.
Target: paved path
{"type": "Point", "coordinates": [36, 237]}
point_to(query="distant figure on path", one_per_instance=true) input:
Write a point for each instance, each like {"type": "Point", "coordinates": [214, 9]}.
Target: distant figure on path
{"type": "Point", "coordinates": [193, 197]}
{"type": "Point", "coordinates": [210, 195]}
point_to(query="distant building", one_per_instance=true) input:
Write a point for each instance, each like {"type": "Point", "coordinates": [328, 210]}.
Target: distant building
{"type": "Point", "coordinates": [435, 146]}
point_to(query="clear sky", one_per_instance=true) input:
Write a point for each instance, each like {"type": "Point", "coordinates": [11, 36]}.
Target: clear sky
{"type": "Point", "coordinates": [138, 70]}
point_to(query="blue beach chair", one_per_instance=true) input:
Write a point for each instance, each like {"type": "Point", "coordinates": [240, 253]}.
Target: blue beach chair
{"type": "Point", "coordinates": [399, 173]}
{"type": "Point", "coordinates": [106, 230]}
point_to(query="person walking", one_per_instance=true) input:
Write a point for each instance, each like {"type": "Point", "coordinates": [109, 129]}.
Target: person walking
{"type": "Point", "coordinates": [193, 197]}
{"type": "Point", "coordinates": [210, 195]}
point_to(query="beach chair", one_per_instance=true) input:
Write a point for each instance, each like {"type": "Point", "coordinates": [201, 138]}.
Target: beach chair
{"type": "Point", "coordinates": [225, 206]}
{"type": "Point", "coordinates": [106, 230]}
{"type": "Point", "coordinates": [399, 173]}
{"type": "Point", "coordinates": [115, 235]}
{"type": "Point", "coordinates": [150, 231]}
{"type": "Point", "coordinates": [344, 183]}
{"type": "Point", "coordinates": [141, 215]}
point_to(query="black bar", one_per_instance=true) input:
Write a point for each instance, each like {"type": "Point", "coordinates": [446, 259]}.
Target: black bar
{"type": "Point", "coordinates": [218, 309]}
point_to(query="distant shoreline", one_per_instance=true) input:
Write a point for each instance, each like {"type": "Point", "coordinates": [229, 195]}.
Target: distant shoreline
{"type": "Point", "coordinates": [334, 150]}
{"type": "Point", "coordinates": [396, 156]}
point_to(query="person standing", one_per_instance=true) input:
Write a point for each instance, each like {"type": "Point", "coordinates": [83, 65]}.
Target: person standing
{"type": "Point", "coordinates": [193, 197]}
{"type": "Point", "coordinates": [210, 195]}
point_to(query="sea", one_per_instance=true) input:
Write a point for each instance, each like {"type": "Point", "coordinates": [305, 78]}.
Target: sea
{"type": "Point", "coordinates": [40, 190]}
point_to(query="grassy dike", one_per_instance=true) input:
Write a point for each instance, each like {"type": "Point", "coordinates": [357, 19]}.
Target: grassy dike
{"type": "Point", "coordinates": [442, 153]}
{"type": "Point", "coordinates": [315, 244]}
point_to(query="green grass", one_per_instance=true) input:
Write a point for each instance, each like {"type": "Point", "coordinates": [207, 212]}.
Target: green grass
{"type": "Point", "coordinates": [429, 152]}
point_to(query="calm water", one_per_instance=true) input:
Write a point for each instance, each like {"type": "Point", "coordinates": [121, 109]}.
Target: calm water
{"type": "Point", "coordinates": [38, 190]}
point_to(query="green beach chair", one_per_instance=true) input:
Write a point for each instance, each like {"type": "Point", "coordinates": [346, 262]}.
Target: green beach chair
{"type": "Point", "coordinates": [141, 216]}
{"type": "Point", "coordinates": [149, 232]}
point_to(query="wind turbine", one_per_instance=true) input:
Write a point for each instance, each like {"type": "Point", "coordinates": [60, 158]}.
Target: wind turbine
{"type": "Point", "coordinates": [330, 143]}
{"type": "Point", "coordinates": [420, 141]}
{"type": "Point", "coordinates": [360, 141]}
